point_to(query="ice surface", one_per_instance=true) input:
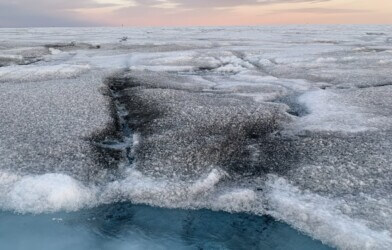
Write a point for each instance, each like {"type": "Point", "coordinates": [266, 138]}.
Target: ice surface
{"type": "Point", "coordinates": [321, 216]}
{"type": "Point", "coordinates": [44, 193]}
{"type": "Point", "coordinates": [354, 110]}
{"type": "Point", "coordinates": [290, 121]}
{"type": "Point", "coordinates": [36, 73]}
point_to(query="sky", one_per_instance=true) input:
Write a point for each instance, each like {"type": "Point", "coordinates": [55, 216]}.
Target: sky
{"type": "Point", "coordinates": [69, 13]}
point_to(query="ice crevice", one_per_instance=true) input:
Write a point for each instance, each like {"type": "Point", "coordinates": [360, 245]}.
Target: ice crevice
{"type": "Point", "coordinates": [127, 139]}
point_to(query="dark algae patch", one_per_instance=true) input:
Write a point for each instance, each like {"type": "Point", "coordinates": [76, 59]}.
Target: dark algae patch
{"type": "Point", "coordinates": [186, 131]}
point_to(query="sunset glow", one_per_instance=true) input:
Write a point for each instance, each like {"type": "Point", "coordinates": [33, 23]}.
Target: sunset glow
{"type": "Point", "coordinates": [22, 13]}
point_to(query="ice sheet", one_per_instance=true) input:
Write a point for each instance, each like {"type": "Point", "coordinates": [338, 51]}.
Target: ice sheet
{"type": "Point", "coordinates": [192, 110]}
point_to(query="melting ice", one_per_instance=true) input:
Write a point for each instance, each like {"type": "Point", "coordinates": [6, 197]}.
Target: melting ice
{"type": "Point", "coordinates": [289, 124]}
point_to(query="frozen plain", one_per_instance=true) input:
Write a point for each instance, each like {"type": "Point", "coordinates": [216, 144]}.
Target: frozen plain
{"type": "Point", "coordinates": [292, 122]}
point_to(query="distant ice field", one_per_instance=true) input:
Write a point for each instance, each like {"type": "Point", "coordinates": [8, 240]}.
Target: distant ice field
{"type": "Point", "coordinates": [292, 122]}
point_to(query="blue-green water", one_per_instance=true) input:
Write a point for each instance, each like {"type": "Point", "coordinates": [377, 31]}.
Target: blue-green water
{"type": "Point", "coordinates": [127, 226]}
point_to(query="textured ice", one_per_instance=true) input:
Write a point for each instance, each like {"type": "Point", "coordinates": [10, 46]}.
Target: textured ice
{"type": "Point", "coordinates": [349, 110]}
{"type": "Point", "coordinates": [44, 193]}
{"type": "Point", "coordinates": [36, 73]}
{"type": "Point", "coordinates": [292, 122]}
{"type": "Point", "coordinates": [322, 216]}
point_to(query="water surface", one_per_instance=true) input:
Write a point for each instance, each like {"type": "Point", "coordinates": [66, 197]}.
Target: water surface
{"type": "Point", "coordinates": [127, 226]}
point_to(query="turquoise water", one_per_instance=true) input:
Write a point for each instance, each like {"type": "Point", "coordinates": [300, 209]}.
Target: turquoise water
{"type": "Point", "coordinates": [127, 226]}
